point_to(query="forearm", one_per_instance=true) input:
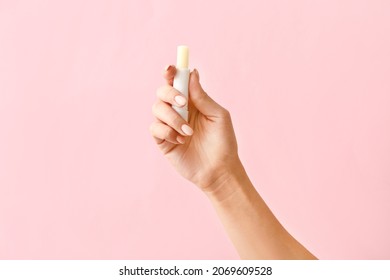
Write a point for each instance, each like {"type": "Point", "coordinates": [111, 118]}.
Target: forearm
{"type": "Point", "coordinates": [250, 224]}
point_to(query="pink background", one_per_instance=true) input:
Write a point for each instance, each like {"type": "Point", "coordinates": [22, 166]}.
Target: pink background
{"type": "Point", "coordinates": [307, 84]}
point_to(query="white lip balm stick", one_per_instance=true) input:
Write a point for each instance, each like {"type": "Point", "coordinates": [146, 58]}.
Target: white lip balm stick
{"type": "Point", "coordinates": [181, 79]}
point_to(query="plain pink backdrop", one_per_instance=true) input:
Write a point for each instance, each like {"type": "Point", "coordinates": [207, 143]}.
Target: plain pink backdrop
{"type": "Point", "coordinates": [307, 84]}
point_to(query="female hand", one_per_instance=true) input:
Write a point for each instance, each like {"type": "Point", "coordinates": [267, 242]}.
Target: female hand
{"type": "Point", "coordinates": [207, 156]}
{"type": "Point", "coordinates": [204, 150]}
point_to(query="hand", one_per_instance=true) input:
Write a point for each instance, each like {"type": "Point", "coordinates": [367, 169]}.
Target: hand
{"type": "Point", "coordinates": [204, 150]}
{"type": "Point", "coordinates": [207, 156]}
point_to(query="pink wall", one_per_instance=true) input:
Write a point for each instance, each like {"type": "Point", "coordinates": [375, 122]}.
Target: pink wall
{"type": "Point", "coordinates": [307, 83]}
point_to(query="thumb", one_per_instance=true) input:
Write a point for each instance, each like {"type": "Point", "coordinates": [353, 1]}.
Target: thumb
{"type": "Point", "coordinates": [204, 103]}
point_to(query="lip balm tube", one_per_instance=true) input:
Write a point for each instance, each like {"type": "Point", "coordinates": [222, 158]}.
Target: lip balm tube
{"type": "Point", "coordinates": [181, 79]}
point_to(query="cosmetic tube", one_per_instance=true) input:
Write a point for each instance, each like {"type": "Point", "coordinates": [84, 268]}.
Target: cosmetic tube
{"type": "Point", "coordinates": [181, 79]}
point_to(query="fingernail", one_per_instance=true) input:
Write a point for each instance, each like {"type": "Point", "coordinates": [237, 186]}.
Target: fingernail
{"type": "Point", "coordinates": [196, 73]}
{"type": "Point", "coordinates": [181, 139]}
{"type": "Point", "coordinates": [167, 67]}
{"type": "Point", "coordinates": [180, 100]}
{"type": "Point", "coordinates": [187, 130]}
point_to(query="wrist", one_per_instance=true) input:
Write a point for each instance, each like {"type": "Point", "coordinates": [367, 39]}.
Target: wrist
{"type": "Point", "coordinates": [231, 179]}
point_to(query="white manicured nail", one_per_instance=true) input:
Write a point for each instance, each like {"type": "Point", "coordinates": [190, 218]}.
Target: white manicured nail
{"type": "Point", "coordinates": [181, 139]}
{"type": "Point", "coordinates": [187, 130]}
{"type": "Point", "coordinates": [180, 100]}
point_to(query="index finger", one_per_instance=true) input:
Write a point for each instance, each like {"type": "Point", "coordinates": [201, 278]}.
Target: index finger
{"type": "Point", "coordinates": [169, 73]}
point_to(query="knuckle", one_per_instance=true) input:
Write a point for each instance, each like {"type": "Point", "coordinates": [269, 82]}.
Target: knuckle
{"type": "Point", "coordinates": [225, 113]}
{"type": "Point", "coordinates": [160, 91]}
{"type": "Point", "coordinates": [198, 99]}
{"type": "Point", "coordinates": [169, 134]}
{"type": "Point", "coordinates": [203, 97]}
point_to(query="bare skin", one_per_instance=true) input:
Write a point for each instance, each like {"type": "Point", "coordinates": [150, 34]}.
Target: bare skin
{"type": "Point", "coordinates": [205, 153]}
